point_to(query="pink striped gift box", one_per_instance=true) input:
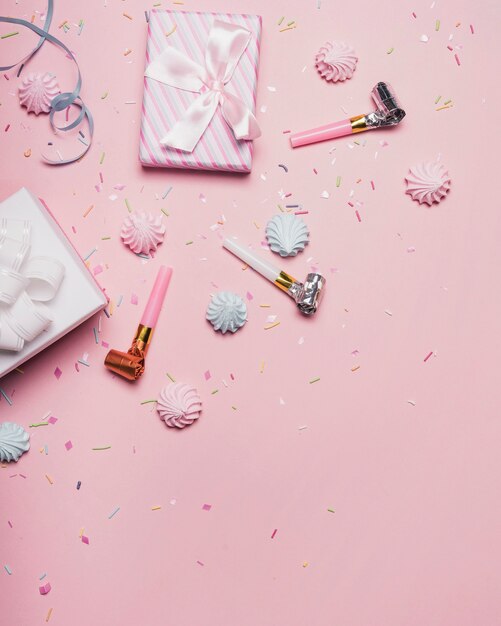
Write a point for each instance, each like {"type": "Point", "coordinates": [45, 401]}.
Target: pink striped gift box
{"type": "Point", "coordinates": [163, 105]}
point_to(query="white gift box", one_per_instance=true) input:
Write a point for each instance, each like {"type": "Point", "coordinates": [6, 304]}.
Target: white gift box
{"type": "Point", "coordinates": [73, 299]}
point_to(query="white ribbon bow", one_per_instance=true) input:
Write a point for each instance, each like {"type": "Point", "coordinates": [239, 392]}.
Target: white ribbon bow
{"type": "Point", "coordinates": [227, 42]}
{"type": "Point", "coordinates": [24, 286]}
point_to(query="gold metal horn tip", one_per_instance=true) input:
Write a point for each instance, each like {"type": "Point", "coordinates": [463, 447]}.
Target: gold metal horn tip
{"type": "Point", "coordinates": [284, 281]}
{"type": "Point", "coordinates": [358, 123]}
{"type": "Point", "coordinates": [141, 341]}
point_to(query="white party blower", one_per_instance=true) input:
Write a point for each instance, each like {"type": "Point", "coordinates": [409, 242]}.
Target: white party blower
{"type": "Point", "coordinates": [306, 295]}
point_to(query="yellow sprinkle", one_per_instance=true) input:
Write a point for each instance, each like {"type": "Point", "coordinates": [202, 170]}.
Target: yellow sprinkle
{"type": "Point", "coordinates": [102, 158]}
{"type": "Point", "coordinates": [111, 307]}
{"type": "Point", "coordinates": [48, 615]}
{"type": "Point", "coordinates": [261, 369]}
{"type": "Point", "coordinates": [171, 31]}
{"type": "Point", "coordinates": [164, 212]}
{"type": "Point", "coordinates": [305, 564]}
{"type": "Point", "coordinates": [265, 306]}
{"type": "Point", "coordinates": [63, 24]}
{"type": "Point", "coordinates": [256, 225]}
{"type": "Point", "coordinates": [88, 210]}
{"type": "Point", "coordinates": [355, 368]}
{"type": "Point", "coordinates": [156, 508]}
{"type": "Point", "coordinates": [291, 23]}
{"type": "Point", "coordinates": [271, 325]}
{"type": "Point", "coordinates": [281, 20]}
{"type": "Point", "coordinates": [171, 377]}
{"type": "Point", "coordinates": [444, 107]}
{"type": "Point", "coordinates": [27, 153]}
{"type": "Point", "coordinates": [127, 52]}
{"type": "Point", "coordinates": [49, 479]}
{"type": "Point", "coordinates": [458, 24]}
{"type": "Point", "coordinates": [282, 30]}
{"type": "Point", "coordinates": [390, 51]}
{"type": "Point", "coordinates": [280, 207]}
{"type": "Point", "coordinates": [81, 532]}
{"type": "Point", "coordinates": [437, 25]}
{"type": "Point", "coordinates": [314, 380]}
{"type": "Point", "coordinates": [105, 94]}
{"type": "Point", "coordinates": [127, 16]}
{"type": "Point", "coordinates": [447, 102]}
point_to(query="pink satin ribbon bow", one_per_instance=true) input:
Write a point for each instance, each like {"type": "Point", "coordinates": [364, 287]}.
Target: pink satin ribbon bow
{"type": "Point", "coordinates": [227, 42]}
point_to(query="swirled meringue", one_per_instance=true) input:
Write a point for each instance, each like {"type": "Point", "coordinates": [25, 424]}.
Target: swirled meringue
{"type": "Point", "coordinates": [14, 440]}
{"type": "Point", "coordinates": [287, 234]}
{"type": "Point", "coordinates": [179, 405]}
{"type": "Point", "coordinates": [142, 232]}
{"type": "Point", "coordinates": [226, 311]}
{"type": "Point", "coordinates": [336, 61]}
{"type": "Point", "coordinates": [428, 182]}
{"type": "Point", "coordinates": [37, 91]}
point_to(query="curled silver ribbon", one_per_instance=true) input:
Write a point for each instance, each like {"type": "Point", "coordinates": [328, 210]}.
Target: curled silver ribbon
{"type": "Point", "coordinates": [25, 285]}
{"type": "Point", "coordinates": [63, 100]}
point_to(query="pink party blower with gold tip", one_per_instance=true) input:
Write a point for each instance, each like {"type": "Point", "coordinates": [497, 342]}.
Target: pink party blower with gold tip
{"type": "Point", "coordinates": [387, 113]}
{"type": "Point", "coordinates": [130, 364]}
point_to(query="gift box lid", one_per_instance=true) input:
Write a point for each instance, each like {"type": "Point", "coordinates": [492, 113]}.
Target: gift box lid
{"type": "Point", "coordinates": [79, 295]}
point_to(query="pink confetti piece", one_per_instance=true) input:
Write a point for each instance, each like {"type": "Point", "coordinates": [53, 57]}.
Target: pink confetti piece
{"type": "Point", "coordinates": [411, 249]}
{"type": "Point", "coordinates": [200, 563]}
{"type": "Point", "coordinates": [232, 377]}
{"type": "Point", "coordinates": [457, 59]}
{"type": "Point", "coordinates": [9, 523]}
{"type": "Point", "coordinates": [373, 185]}
{"type": "Point", "coordinates": [85, 540]}
{"type": "Point", "coordinates": [358, 216]}
{"type": "Point", "coordinates": [274, 533]}
{"type": "Point", "coordinates": [134, 299]}
{"type": "Point", "coordinates": [450, 48]}
{"type": "Point", "coordinates": [202, 198]}
{"type": "Point", "coordinates": [207, 375]}
{"type": "Point", "coordinates": [105, 344]}
{"type": "Point", "coordinates": [52, 419]}
{"type": "Point", "coordinates": [249, 296]}
{"type": "Point", "coordinates": [58, 373]}
{"type": "Point", "coordinates": [427, 356]}
{"type": "Point", "coordinates": [68, 445]}
{"type": "Point", "coordinates": [207, 507]}
{"type": "Point", "coordinates": [472, 30]}
{"type": "Point", "coordinates": [98, 269]}
{"type": "Point", "coordinates": [44, 589]}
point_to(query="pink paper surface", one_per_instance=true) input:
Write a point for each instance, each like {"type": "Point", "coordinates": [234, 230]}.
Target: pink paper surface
{"type": "Point", "coordinates": [380, 482]}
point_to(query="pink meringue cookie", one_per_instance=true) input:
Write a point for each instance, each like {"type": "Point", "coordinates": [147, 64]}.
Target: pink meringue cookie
{"type": "Point", "coordinates": [336, 61]}
{"type": "Point", "coordinates": [37, 91]}
{"type": "Point", "coordinates": [428, 182]}
{"type": "Point", "coordinates": [179, 405]}
{"type": "Point", "coordinates": [142, 232]}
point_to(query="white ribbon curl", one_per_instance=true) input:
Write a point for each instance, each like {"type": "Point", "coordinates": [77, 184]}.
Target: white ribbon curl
{"type": "Point", "coordinates": [24, 285]}
{"type": "Point", "coordinates": [227, 42]}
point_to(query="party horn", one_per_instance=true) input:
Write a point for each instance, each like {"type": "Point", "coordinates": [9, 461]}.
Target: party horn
{"type": "Point", "coordinates": [387, 113]}
{"type": "Point", "coordinates": [130, 364]}
{"type": "Point", "coordinates": [307, 295]}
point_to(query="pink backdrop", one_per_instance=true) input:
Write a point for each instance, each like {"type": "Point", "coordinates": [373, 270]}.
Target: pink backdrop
{"type": "Point", "coordinates": [405, 452]}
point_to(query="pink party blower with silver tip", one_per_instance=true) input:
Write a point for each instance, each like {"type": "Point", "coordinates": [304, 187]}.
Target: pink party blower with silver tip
{"type": "Point", "coordinates": [387, 113]}
{"type": "Point", "coordinates": [130, 364]}
{"type": "Point", "coordinates": [307, 295]}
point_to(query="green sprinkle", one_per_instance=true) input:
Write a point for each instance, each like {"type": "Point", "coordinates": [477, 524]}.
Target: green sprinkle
{"type": "Point", "coordinates": [390, 51]}
{"type": "Point", "coordinates": [102, 158]}
{"type": "Point", "coordinates": [437, 25]}
{"type": "Point", "coordinates": [291, 23]}
{"type": "Point", "coordinates": [314, 380]}
{"type": "Point", "coordinates": [8, 570]}
{"type": "Point", "coordinates": [9, 35]}
{"type": "Point", "coordinates": [438, 100]}
{"type": "Point", "coordinates": [105, 238]}
{"type": "Point", "coordinates": [281, 20]}
{"type": "Point", "coordinates": [105, 448]}
{"type": "Point", "coordinates": [128, 205]}
{"type": "Point", "coordinates": [448, 102]}
{"type": "Point", "coordinates": [338, 181]}
{"type": "Point", "coordinates": [171, 377]}
{"type": "Point", "coordinates": [214, 392]}
{"type": "Point", "coordinates": [39, 424]}
{"type": "Point", "coordinates": [188, 243]}
{"type": "Point", "coordinates": [331, 510]}
{"type": "Point", "coordinates": [147, 401]}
